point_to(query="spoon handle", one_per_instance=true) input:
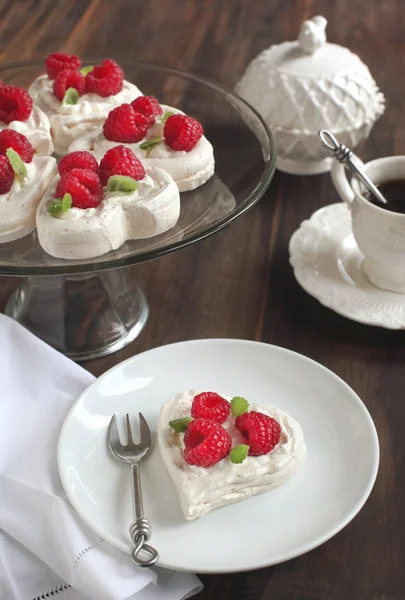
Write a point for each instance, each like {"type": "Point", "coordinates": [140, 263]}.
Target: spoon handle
{"type": "Point", "coordinates": [344, 155]}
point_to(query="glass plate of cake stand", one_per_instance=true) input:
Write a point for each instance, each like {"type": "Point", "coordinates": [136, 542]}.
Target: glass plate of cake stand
{"type": "Point", "coordinates": [60, 300]}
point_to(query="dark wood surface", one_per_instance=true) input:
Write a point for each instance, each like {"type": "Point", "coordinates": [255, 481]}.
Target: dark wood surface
{"type": "Point", "coordinates": [239, 283]}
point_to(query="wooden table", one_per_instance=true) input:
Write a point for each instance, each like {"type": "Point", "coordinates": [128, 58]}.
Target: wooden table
{"type": "Point", "coordinates": [239, 283]}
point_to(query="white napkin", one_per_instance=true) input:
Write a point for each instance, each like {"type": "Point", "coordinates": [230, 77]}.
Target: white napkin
{"type": "Point", "coordinates": [44, 545]}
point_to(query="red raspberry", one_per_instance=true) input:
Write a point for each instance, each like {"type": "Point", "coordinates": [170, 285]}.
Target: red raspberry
{"type": "Point", "coordinates": [148, 106]}
{"type": "Point", "coordinates": [261, 432]}
{"type": "Point", "coordinates": [123, 124]}
{"type": "Point", "coordinates": [58, 61]}
{"type": "Point", "coordinates": [83, 185]}
{"type": "Point", "coordinates": [18, 142]}
{"type": "Point", "coordinates": [15, 104]}
{"type": "Point", "coordinates": [68, 79]}
{"type": "Point", "coordinates": [120, 161]}
{"type": "Point", "coordinates": [6, 175]}
{"type": "Point", "coordinates": [77, 160]}
{"type": "Point", "coordinates": [182, 132]}
{"type": "Point", "coordinates": [210, 405]}
{"type": "Point", "coordinates": [206, 442]}
{"type": "Point", "coordinates": [105, 79]}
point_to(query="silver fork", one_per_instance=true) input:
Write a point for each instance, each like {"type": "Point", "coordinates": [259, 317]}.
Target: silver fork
{"type": "Point", "coordinates": [140, 529]}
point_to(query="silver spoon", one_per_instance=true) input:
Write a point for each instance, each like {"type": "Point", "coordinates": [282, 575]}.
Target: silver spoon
{"type": "Point", "coordinates": [344, 155]}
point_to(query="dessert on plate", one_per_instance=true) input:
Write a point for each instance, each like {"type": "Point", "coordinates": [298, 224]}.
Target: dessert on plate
{"type": "Point", "coordinates": [23, 180]}
{"type": "Point", "coordinates": [78, 99]}
{"type": "Point", "coordinates": [19, 113]}
{"type": "Point", "coordinates": [90, 208]}
{"type": "Point", "coordinates": [219, 450]}
{"type": "Point", "coordinates": [161, 136]}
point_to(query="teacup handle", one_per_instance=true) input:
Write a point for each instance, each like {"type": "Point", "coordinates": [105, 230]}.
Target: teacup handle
{"type": "Point", "coordinates": [340, 181]}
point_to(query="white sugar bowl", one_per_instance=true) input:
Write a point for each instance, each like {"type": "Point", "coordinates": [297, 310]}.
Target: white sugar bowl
{"type": "Point", "coordinates": [303, 86]}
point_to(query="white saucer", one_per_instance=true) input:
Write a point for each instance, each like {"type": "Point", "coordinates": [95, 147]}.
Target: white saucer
{"type": "Point", "coordinates": [328, 265]}
{"type": "Point", "coordinates": [266, 529]}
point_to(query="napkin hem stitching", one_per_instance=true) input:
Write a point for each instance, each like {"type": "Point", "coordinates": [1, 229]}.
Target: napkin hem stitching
{"type": "Point", "coordinates": [53, 592]}
{"type": "Point", "coordinates": [85, 551]}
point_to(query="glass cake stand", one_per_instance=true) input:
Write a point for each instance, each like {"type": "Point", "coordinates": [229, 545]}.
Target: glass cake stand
{"type": "Point", "coordinates": [89, 308]}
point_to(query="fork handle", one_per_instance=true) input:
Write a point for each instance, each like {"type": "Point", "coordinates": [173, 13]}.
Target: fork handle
{"type": "Point", "coordinates": [140, 529]}
{"type": "Point", "coordinates": [137, 502]}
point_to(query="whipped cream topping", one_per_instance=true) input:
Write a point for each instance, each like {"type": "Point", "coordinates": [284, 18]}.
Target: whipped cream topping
{"type": "Point", "coordinates": [18, 207]}
{"type": "Point", "coordinates": [144, 189]}
{"type": "Point", "coordinates": [19, 182]}
{"type": "Point", "coordinates": [188, 169]}
{"type": "Point", "coordinates": [72, 121]}
{"type": "Point", "coordinates": [152, 209]}
{"type": "Point", "coordinates": [36, 129]}
{"type": "Point", "coordinates": [200, 489]}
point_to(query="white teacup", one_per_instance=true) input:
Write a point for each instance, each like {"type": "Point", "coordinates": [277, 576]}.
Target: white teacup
{"type": "Point", "coordinates": [379, 233]}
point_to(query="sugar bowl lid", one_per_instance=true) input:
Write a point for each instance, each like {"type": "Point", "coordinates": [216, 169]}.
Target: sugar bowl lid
{"type": "Point", "coordinates": [311, 55]}
{"type": "Point", "coordinates": [311, 84]}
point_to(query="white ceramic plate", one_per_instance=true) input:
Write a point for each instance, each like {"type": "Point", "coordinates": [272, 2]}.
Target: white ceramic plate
{"type": "Point", "coordinates": [307, 510]}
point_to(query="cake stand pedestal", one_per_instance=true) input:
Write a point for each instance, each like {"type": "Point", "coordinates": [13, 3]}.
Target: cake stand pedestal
{"type": "Point", "coordinates": [83, 316]}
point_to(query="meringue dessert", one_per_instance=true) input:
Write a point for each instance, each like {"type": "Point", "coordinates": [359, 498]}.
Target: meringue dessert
{"type": "Point", "coordinates": [17, 112]}
{"type": "Point", "coordinates": [161, 136]}
{"type": "Point", "coordinates": [78, 101]}
{"type": "Point", "coordinates": [89, 210]}
{"type": "Point", "coordinates": [219, 450]}
{"type": "Point", "coordinates": [23, 180]}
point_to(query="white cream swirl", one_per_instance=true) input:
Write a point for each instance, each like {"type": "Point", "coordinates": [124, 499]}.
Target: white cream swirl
{"type": "Point", "coordinates": [153, 208]}
{"type": "Point", "coordinates": [200, 489]}
{"type": "Point", "coordinates": [20, 182]}
{"type": "Point", "coordinates": [188, 169]}
{"type": "Point", "coordinates": [72, 121]}
{"type": "Point", "coordinates": [144, 189]}
{"type": "Point", "coordinates": [18, 207]}
{"type": "Point", "coordinates": [36, 129]}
